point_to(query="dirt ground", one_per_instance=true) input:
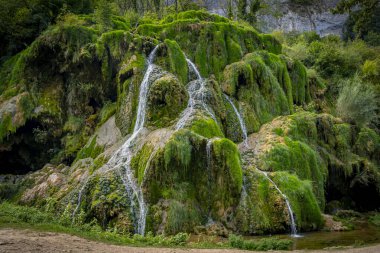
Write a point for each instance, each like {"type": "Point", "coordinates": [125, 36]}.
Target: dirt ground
{"type": "Point", "coordinates": [25, 241]}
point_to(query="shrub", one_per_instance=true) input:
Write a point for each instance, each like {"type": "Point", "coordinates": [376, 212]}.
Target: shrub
{"type": "Point", "coordinates": [357, 102]}
{"type": "Point", "coordinates": [262, 244]}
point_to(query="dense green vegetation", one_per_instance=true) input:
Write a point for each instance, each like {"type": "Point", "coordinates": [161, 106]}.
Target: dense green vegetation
{"type": "Point", "coordinates": [69, 99]}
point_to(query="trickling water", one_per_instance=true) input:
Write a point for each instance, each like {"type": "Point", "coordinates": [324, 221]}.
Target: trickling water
{"type": "Point", "coordinates": [79, 200]}
{"type": "Point", "coordinates": [241, 120]}
{"type": "Point", "coordinates": [209, 160]}
{"type": "Point", "coordinates": [197, 91]}
{"type": "Point", "coordinates": [194, 68]}
{"type": "Point", "coordinates": [141, 110]}
{"type": "Point", "coordinates": [293, 226]}
{"type": "Point", "coordinates": [122, 158]}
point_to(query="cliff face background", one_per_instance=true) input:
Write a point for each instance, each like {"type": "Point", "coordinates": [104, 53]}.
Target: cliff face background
{"type": "Point", "coordinates": [288, 15]}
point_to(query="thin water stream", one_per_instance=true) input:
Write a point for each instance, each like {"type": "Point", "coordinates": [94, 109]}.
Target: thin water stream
{"type": "Point", "coordinates": [241, 120]}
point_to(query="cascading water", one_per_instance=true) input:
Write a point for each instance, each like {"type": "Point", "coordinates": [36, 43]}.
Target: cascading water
{"type": "Point", "coordinates": [209, 160]}
{"type": "Point", "coordinates": [79, 201]}
{"type": "Point", "coordinates": [293, 226]}
{"type": "Point", "coordinates": [197, 90]}
{"type": "Point", "coordinates": [241, 120]}
{"type": "Point", "coordinates": [122, 158]}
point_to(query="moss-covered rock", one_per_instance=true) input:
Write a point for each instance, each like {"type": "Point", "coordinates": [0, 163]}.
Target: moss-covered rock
{"type": "Point", "coordinates": [166, 100]}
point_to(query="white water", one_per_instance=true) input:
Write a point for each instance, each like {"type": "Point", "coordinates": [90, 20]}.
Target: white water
{"type": "Point", "coordinates": [241, 121]}
{"type": "Point", "coordinates": [293, 226]}
{"type": "Point", "coordinates": [79, 201]}
{"type": "Point", "coordinates": [122, 158]}
{"type": "Point", "coordinates": [197, 91]}
{"type": "Point", "coordinates": [209, 160]}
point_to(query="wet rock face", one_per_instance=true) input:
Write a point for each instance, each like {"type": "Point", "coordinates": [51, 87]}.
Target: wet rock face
{"type": "Point", "coordinates": [293, 15]}
{"type": "Point", "coordinates": [289, 16]}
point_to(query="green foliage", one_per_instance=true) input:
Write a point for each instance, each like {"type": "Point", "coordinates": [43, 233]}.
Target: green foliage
{"type": "Point", "coordinates": [206, 127]}
{"type": "Point", "coordinates": [299, 158]}
{"type": "Point", "coordinates": [27, 217]}
{"type": "Point", "coordinates": [107, 111]}
{"type": "Point", "coordinates": [166, 99]}
{"type": "Point", "coordinates": [357, 102]}
{"type": "Point", "coordinates": [178, 63]}
{"type": "Point", "coordinates": [103, 13]}
{"type": "Point", "coordinates": [362, 17]}
{"type": "Point", "coordinates": [375, 219]}
{"type": "Point", "coordinates": [90, 150]}
{"type": "Point", "coordinates": [227, 152]}
{"type": "Point", "coordinates": [301, 197]}
{"type": "Point", "coordinates": [179, 150]}
{"type": "Point", "coordinates": [181, 218]}
{"type": "Point", "coordinates": [264, 244]}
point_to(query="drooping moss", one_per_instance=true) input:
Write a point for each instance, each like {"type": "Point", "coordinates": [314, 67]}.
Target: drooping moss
{"type": "Point", "coordinates": [303, 202]}
{"type": "Point", "coordinates": [300, 83]}
{"type": "Point", "coordinates": [368, 144]}
{"type": "Point", "coordinates": [261, 208]}
{"type": "Point", "coordinates": [206, 127]}
{"type": "Point", "coordinates": [6, 126]}
{"type": "Point", "coordinates": [271, 44]}
{"type": "Point", "coordinates": [140, 161]}
{"type": "Point", "coordinates": [90, 150]}
{"type": "Point", "coordinates": [178, 150]}
{"type": "Point", "coordinates": [228, 156]}
{"type": "Point", "coordinates": [178, 63]}
{"type": "Point", "coordinates": [107, 111]}
{"type": "Point", "coordinates": [297, 157]}
{"type": "Point", "coordinates": [166, 100]}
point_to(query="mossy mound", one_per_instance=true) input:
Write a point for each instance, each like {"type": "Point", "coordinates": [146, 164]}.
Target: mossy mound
{"type": "Point", "coordinates": [166, 100]}
{"type": "Point", "coordinates": [321, 149]}
{"type": "Point", "coordinates": [85, 83]}
{"type": "Point", "coordinates": [211, 183]}
{"type": "Point", "coordinates": [262, 209]}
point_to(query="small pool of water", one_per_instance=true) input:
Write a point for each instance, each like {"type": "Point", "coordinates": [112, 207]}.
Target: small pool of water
{"type": "Point", "coordinates": [363, 235]}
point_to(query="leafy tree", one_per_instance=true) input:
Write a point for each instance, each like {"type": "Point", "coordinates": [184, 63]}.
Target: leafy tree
{"type": "Point", "coordinates": [103, 14]}
{"type": "Point", "coordinates": [357, 102]}
{"type": "Point", "coordinates": [362, 17]}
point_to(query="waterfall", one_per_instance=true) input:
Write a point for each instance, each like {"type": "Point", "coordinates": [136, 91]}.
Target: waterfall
{"type": "Point", "coordinates": [241, 120]}
{"type": "Point", "coordinates": [79, 201]}
{"type": "Point", "coordinates": [122, 158]}
{"type": "Point", "coordinates": [197, 90]}
{"type": "Point", "coordinates": [209, 160]}
{"type": "Point", "coordinates": [293, 226]}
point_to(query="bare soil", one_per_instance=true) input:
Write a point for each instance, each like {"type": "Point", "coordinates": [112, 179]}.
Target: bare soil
{"type": "Point", "coordinates": [25, 241]}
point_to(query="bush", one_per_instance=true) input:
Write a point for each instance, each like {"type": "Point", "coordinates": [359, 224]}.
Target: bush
{"type": "Point", "coordinates": [357, 102]}
{"type": "Point", "coordinates": [262, 244]}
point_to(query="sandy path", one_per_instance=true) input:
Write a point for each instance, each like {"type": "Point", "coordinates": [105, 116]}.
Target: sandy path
{"type": "Point", "coordinates": [17, 240]}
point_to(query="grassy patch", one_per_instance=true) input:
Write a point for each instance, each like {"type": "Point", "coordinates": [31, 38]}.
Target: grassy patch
{"type": "Point", "coordinates": [262, 244]}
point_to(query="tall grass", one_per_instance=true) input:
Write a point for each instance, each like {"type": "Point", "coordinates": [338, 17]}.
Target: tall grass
{"type": "Point", "coordinates": [357, 102]}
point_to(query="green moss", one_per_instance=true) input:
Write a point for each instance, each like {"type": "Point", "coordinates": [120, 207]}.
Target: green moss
{"type": "Point", "coordinates": [206, 127]}
{"type": "Point", "coordinates": [140, 161]}
{"type": "Point", "coordinates": [300, 84]}
{"type": "Point", "coordinates": [166, 100]}
{"type": "Point", "coordinates": [368, 144]}
{"type": "Point", "coordinates": [6, 127]}
{"type": "Point", "coordinates": [181, 218]}
{"type": "Point", "coordinates": [236, 75]}
{"type": "Point", "coordinates": [262, 208]}
{"type": "Point", "coordinates": [297, 157]}
{"type": "Point", "coordinates": [271, 44]}
{"type": "Point", "coordinates": [107, 112]}
{"type": "Point", "coordinates": [178, 150]}
{"type": "Point", "coordinates": [178, 63]}
{"type": "Point", "coordinates": [90, 150]}
{"type": "Point", "coordinates": [304, 204]}
{"type": "Point", "coordinates": [228, 155]}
